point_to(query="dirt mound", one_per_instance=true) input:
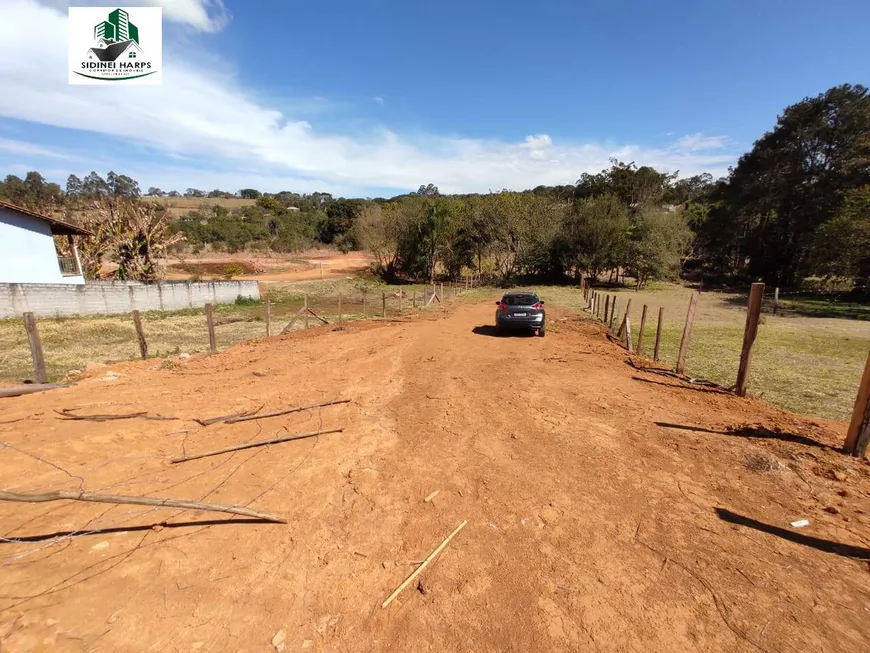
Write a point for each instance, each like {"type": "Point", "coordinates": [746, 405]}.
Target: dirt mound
{"type": "Point", "coordinates": [222, 268]}
{"type": "Point", "coordinates": [608, 508]}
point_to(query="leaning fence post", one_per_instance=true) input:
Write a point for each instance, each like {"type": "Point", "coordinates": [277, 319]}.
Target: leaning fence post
{"type": "Point", "coordinates": [627, 332]}
{"type": "Point", "coordinates": [687, 333]}
{"type": "Point", "coordinates": [858, 435]}
{"type": "Point", "coordinates": [35, 343]}
{"type": "Point", "coordinates": [753, 312]}
{"type": "Point", "coordinates": [305, 314]}
{"type": "Point", "coordinates": [209, 322]}
{"type": "Point", "coordinates": [659, 333]}
{"type": "Point", "coordinates": [624, 319]}
{"type": "Point", "coordinates": [143, 346]}
{"type": "Point", "coordinates": [640, 333]}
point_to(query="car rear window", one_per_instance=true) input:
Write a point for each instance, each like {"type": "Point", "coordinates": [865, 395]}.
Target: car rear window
{"type": "Point", "coordinates": [520, 300]}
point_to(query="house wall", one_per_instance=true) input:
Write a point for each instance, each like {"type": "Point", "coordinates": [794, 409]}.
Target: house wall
{"type": "Point", "coordinates": [112, 297]}
{"type": "Point", "coordinates": [27, 251]}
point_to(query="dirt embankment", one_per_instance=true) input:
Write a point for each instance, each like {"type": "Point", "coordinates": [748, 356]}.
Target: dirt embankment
{"type": "Point", "coordinates": [609, 509]}
{"type": "Point", "coordinates": [308, 266]}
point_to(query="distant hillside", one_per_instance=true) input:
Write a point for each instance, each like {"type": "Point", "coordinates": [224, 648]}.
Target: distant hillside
{"type": "Point", "coordinates": [178, 206]}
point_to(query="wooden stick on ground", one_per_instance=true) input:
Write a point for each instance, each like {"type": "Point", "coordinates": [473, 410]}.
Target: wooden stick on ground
{"type": "Point", "coordinates": [136, 501]}
{"type": "Point", "coordinates": [66, 413]}
{"type": "Point", "coordinates": [224, 418]}
{"type": "Point", "coordinates": [258, 443]}
{"type": "Point", "coordinates": [294, 409]}
{"type": "Point", "coordinates": [423, 565]}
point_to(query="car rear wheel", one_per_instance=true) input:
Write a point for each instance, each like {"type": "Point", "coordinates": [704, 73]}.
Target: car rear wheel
{"type": "Point", "coordinates": [541, 331]}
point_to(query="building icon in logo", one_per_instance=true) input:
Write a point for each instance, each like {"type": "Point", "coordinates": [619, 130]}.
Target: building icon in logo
{"type": "Point", "coordinates": [116, 38]}
{"type": "Point", "coordinates": [117, 28]}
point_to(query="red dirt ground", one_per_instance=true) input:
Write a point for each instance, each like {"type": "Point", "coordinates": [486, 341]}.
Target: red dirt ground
{"type": "Point", "coordinates": [591, 525]}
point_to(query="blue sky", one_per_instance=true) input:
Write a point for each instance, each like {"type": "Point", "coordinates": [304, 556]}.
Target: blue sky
{"type": "Point", "coordinates": [376, 98]}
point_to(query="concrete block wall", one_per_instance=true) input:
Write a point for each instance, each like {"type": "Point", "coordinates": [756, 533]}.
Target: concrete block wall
{"type": "Point", "coordinates": [113, 297]}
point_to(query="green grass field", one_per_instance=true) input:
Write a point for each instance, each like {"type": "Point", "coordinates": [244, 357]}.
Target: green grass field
{"type": "Point", "coordinates": [810, 365]}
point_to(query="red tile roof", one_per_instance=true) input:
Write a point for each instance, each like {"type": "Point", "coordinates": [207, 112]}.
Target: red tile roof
{"type": "Point", "coordinates": [58, 227]}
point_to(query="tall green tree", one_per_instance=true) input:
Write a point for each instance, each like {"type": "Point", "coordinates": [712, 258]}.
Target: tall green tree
{"type": "Point", "coordinates": [794, 180]}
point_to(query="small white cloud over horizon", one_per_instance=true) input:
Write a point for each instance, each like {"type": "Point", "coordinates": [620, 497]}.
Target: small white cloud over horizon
{"type": "Point", "coordinates": [225, 133]}
{"type": "Point", "coordinates": [698, 142]}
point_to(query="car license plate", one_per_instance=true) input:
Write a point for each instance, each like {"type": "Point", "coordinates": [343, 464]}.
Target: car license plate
{"type": "Point", "coordinates": [521, 314]}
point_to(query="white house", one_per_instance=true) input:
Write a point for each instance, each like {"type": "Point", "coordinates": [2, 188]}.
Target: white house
{"type": "Point", "coordinates": [27, 250]}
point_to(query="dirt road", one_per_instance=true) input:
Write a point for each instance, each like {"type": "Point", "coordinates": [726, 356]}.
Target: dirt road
{"type": "Point", "coordinates": [592, 525]}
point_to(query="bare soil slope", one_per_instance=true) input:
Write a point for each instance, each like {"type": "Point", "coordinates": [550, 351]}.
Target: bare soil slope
{"type": "Point", "coordinates": [592, 526]}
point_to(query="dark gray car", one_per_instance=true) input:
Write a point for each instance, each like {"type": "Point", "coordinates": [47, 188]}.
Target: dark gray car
{"type": "Point", "coordinates": [521, 309]}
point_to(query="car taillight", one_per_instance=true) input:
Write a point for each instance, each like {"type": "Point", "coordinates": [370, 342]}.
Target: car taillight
{"type": "Point", "coordinates": [502, 307]}
{"type": "Point", "coordinates": [538, 305]}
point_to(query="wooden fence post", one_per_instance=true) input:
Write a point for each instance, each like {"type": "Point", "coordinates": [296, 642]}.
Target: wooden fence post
{"type": "Point", "coordinates": [687, 333]}
{"type": "Point", "coordinates": [613, 310]}
{"type": "Point", "coordinates": [753, 312]}
{"type": "Point", "coordinates": [640, 333]}
{"type": "Point", "coordinates": [143, 346]}
{"type": "Point", "coordinates": [305, 314]}
{"type": "Point", "coordinates": [383, 304]}
{"type": "Point", "coordinates": [659, 334]}
{"type": "Point", "coordinates": [35, 343]}
{"type": "Point", "coordinates": [624, 319]}
{"type": "Point", "coordinates": [627, 332]}
{"type": "Point", "coordinates": [414, 299]}
{"type": "Point", "coordinates": [606, 308]}
{"type": "Point", "coordinates": [858, 435]}
{"type": "Point", "coordinates": [268, 318]}
{"type": "Point", "coordinates": [209, 322]}
{"type": "Point", "coordinates": [339, 308]}
{"type": "Point", "coordinates": [775, 301]}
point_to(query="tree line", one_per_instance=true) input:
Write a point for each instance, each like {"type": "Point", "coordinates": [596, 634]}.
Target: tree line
{"type": "Point", "coordinates": [797, 205]}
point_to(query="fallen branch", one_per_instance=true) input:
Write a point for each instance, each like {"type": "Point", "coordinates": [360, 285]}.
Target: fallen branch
{"type": "Point", "coordinates": [67, 413]}
{"type": "Point", "coordinates": [258, 443]}
{"type": "Point", "coordinates": [136, 501]}
{"type": "Point", "coordinates": [19, 390]}
{"type": "Point", "coordinates": [286, 411]}
{"type": "Point", "coordinates": [423, 565]}
{"type": "Point", "coordinates": [224, 418]}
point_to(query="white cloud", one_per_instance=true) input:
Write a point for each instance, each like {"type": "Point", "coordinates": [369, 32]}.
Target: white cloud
{"type": "Point", "coordinates": [698, 142]}
{"type": "Point", "coordinates": [378, 99]}
{"type": "Point", "coordinates": [206, 116]}
{"type": "Point", "coordinates": [29, 149]}
{"type": "Point", "coordinates": [203, 15]}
